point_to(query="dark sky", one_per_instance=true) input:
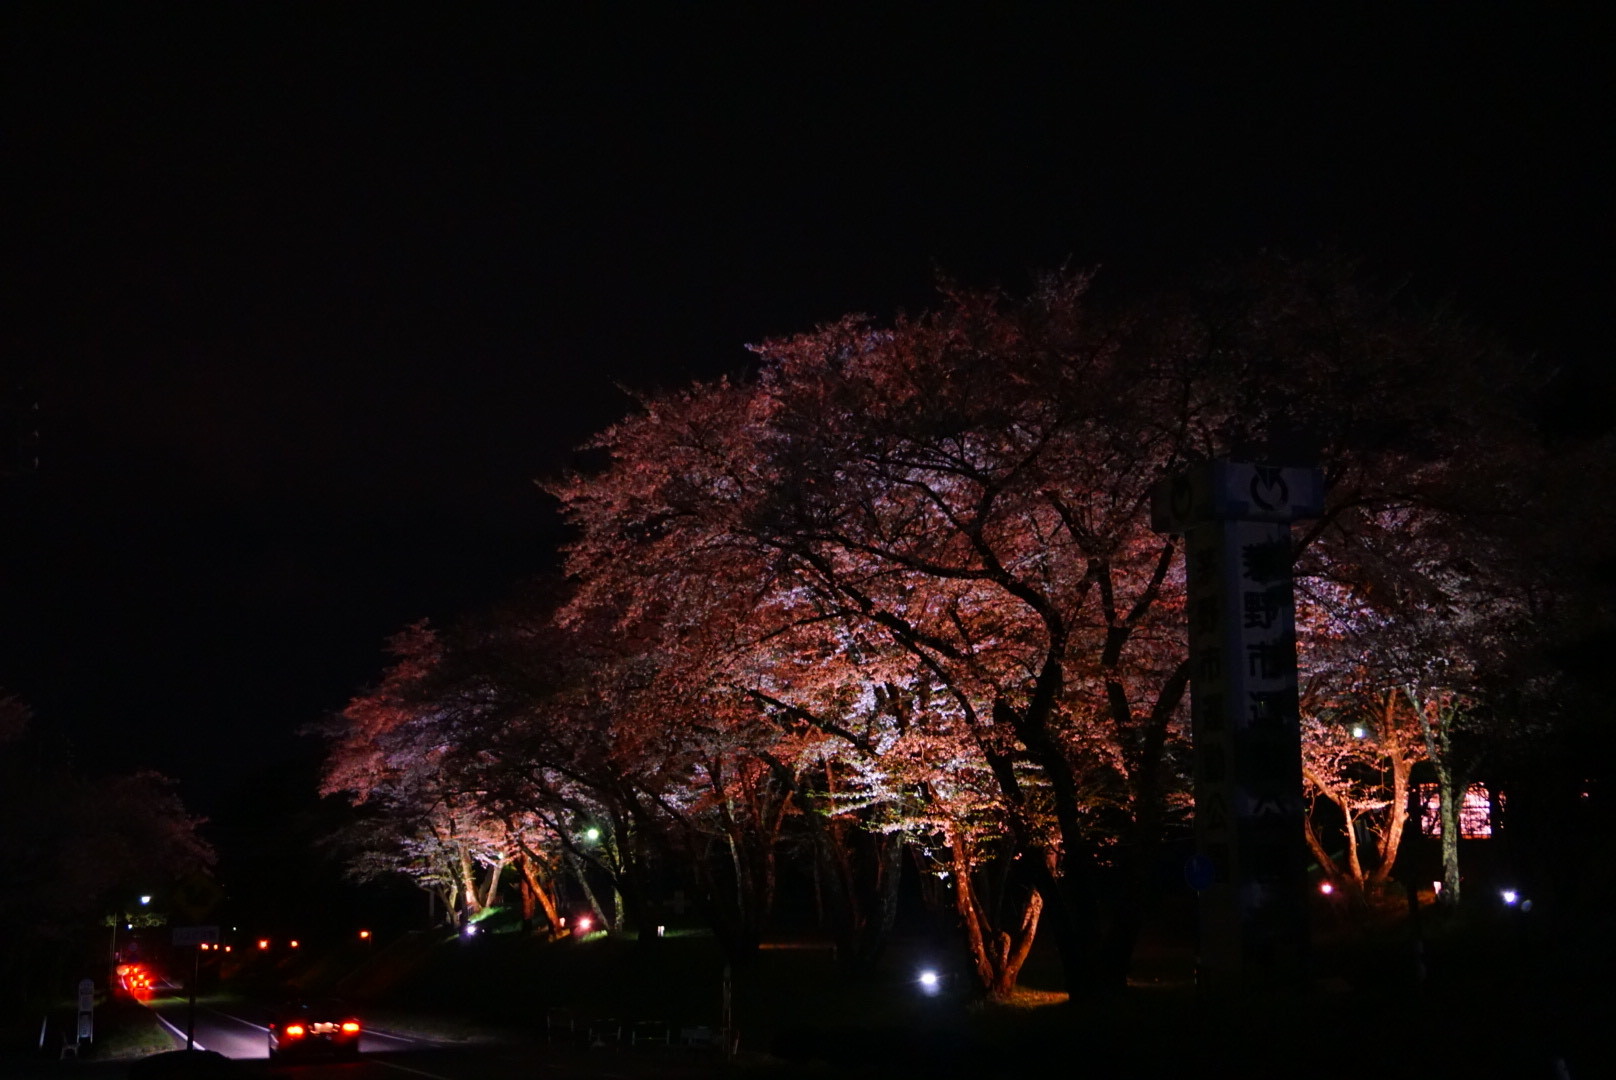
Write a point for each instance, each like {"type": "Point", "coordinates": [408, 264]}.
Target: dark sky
{"type": "Point", "coordinates": [310, 295]}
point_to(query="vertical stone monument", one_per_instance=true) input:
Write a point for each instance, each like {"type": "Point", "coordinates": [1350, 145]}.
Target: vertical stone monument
{"type": "Point", "coordinates": [1250, 860]}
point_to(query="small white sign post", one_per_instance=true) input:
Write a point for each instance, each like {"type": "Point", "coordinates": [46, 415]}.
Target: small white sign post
{"type": "Point", "coordinates": [86, 1024]}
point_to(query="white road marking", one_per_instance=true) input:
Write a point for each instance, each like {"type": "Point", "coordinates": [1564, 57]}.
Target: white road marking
{"type": "Point", "coordinates": [395, 1038]}
{"type": "Point", "coordinates": [162, 1020]}
{"type": "Point", "coordinates": [237, 1019]}
{"type": "Point", "coordinates": [368, 1033]}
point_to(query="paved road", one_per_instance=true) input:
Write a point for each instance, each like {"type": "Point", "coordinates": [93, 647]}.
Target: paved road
{"type": "Point", "coordinates": [238, 1032]}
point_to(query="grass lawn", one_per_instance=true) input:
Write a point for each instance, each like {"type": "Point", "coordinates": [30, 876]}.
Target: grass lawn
{"type": "Point", "coordinates": [126, 1030]}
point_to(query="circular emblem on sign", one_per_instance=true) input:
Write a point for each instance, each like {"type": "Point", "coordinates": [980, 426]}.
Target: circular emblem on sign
{"type": "Point", "coordinates": [1268, 489]}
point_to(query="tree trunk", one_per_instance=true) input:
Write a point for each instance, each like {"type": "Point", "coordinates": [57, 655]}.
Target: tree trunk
{"type": "Point", "coordinates": [1316, 846]}
{"type": "Point", "coordinates": [1439, 746]}
{"type": "Point", "coordinates": [997, 955]}
{"type": "Point", "coordinates": [887, 871]}
{"type": "Point", "coordinates": [538, 893]}
{"type": "Point", "coordinates": [580, 874]}
{"type": "Point", "coordinates": [467, 871]}
{"type": "Point", "coordinates": [1397, 821]}
{"type": "Point", "coordinates": [491, 887]}
{"type": "Point", "coordinates": [1449, 798]}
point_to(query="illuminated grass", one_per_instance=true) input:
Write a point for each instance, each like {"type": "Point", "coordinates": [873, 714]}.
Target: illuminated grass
{"type": "Point", "coordinates": [126, 1031]}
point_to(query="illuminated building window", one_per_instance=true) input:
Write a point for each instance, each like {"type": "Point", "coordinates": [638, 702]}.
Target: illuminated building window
{"type": "Point", "coordinates": [1475, 813]}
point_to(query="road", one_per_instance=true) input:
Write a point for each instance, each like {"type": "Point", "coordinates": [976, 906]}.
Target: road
{"type": "Point", "coordinates": [238, 1032]}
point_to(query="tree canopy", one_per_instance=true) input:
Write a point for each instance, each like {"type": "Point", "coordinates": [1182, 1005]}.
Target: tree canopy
{"type": "Point", "coordinates": [74, 848]}
{"type": "Point", "coordinates": [897, 590]}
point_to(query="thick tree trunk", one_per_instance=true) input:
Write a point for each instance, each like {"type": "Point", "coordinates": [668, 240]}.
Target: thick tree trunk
{"type": "Point", "coordinates": [470, 901]}
{"type": "Point", "coordinates": [997, 955]}
{"type": "Point", "coordinates": [1316, 846]}
{"type": "Point", "coordinates": [1436, 720]}
{"type": "Point", "coordinates": [490, 895]}
{"type": "Point", "coordinates": [1397, 820]}
{"type": "Point", "coordinates": [887, 870]}
{"type": "Point", "coordinates": [538, 893]}
{"type": "Point", "coordinates": [580, 874]}
{"type": "Point", "coordinates": [1449, 799]}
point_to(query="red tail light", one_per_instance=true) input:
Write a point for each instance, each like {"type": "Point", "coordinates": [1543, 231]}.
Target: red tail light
{"type": "Point", "coordinates": [350, 1026]}
{"type": "Point", "coordinates": [294, 1031]}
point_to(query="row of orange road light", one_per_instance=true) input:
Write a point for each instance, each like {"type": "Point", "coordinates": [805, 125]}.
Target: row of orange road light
{"type": "Point", "coordinates": [264, 943]}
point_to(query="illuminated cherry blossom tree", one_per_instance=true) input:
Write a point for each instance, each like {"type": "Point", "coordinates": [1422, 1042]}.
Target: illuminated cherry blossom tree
{"type": "Point", "coordinates": [898, 593]}
{"type": "Point", "coordinates": [970, 488]}
{"type": "Point", "coordinates": [399, 751]}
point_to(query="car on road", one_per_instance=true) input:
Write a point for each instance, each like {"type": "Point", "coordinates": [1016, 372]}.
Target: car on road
{"type": "Point", "coordinates": [313, 1028]}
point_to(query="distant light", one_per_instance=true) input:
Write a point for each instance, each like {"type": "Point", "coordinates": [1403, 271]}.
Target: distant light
{"type": "Point", "coordinates": [364, 935]}
{"type": "Point", "coordinates": [929, 981]}
{"type": "Point", "coordinates": [1359, 731]}
{"type": "Point", "coordinates": [661, 931]}
{"type": "Point", "coordinates": [591, 834]}
{"type": "Point", "coordinates": [263, 943]}
{"type": "Point", "coordinates": [470, 930]}
{"type": "Point", "coordinates": [229, 948]}
{"type": "Point", "coordinates": [584, 923]}
{"type": "Point", "coordinates": [1510, 896]}
{"type": "Point", "coordinates": [1326, 888]}
{"type": "Point", "coordinates": [145, 899]}
{"type": "Point", "coordinates": [294, 943]}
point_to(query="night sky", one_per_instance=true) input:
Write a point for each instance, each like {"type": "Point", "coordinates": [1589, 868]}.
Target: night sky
{"type": "Point", "coordinates": [309, 296]}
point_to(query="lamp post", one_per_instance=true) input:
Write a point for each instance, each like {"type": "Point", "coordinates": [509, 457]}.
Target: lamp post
{"type": "Point", "coordinates": [119, 915]}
